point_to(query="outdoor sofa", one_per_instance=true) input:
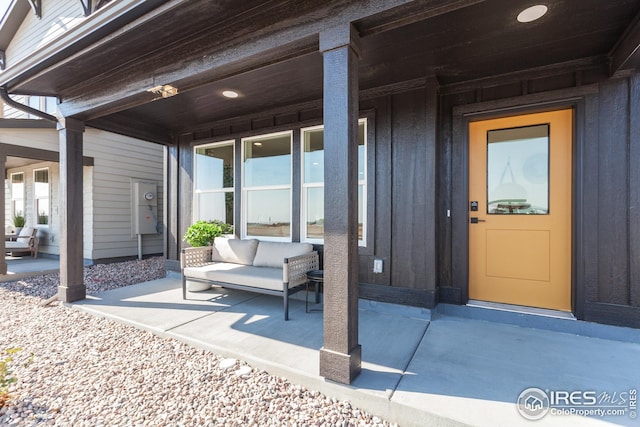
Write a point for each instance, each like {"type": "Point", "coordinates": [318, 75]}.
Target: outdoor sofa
{"type": "Point", "coordinates": [272, 268]}
{"type": "Point", "coordinates": [25, 241]}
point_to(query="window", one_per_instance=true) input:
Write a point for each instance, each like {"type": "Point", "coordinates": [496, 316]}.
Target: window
{"type": "Point", "coordinates": [41, 195]}
{"type": "Point", "coordinates": [313, 184]}
{"type": "Point", "coordinates": [17, 194]}
{"type": "Point", "coordinates": [214, 182]}
{"type": "Point", "coordinates": [266, 190]}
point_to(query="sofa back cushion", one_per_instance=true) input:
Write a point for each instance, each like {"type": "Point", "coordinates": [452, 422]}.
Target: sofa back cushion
{"type": "Point", "coordinates": [272, 254]}
{"type": "Point", "coordinates": [26, 232]}
{"type": "Point", "coordinates": [234, 250]}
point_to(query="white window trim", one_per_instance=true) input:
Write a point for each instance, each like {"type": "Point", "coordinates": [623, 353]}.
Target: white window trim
{"type": "Point", "coordinates": [196, 192]}
{"type": "Point", "coordinates": [23, 195]}
{"type": "Point", "coordinates": [35, 199]}
{"type": "Point", "coordinates": [245, 190]}
{"type": "Point", "coordinates": [304, 186]}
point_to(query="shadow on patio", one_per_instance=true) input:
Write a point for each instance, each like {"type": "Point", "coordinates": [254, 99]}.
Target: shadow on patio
{"type": "Point", "coordinates": [449, 371]}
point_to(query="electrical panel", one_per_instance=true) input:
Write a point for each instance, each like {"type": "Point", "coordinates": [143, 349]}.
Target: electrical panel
{"type": "Point", "coordinates": [145, 208]}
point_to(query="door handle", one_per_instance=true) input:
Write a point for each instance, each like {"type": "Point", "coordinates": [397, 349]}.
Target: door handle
{"type": "Point", "coordinates": [475, 220]}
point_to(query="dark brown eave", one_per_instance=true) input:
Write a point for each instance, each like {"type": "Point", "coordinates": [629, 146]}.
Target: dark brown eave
{"type": "Point", "coordinates": [268, 49]}
{"type": "Point", "coordinates": [626, 53]}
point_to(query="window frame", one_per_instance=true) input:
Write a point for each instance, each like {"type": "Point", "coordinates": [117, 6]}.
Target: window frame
{"type": "Point", "coordinates": [36, 199]}
{"type": "Point", "coordinates": [13, 198]}
{"type": "Point", "coordinates": [245, 190]}
{"type": "Point", "coordinates": [362, 243]}
{"type": "Point", "coordinates": [223, 190]}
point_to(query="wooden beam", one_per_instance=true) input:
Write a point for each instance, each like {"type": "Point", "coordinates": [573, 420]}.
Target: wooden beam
{"type": "Point", "coordinates": [626, 52]}
{"type": "Point", "coordinates": [410, 13]}
{"type": "Point", "coordinates": [207, 60]}
{"type": "Point", "coordinates": [36, 6]}
{"type": "Point", "coordinates": [133, 128]}
{"type": "Point", "coordinates": [86, 6]}
{"type": "Point", "coordinates": [341, 355]}
{"type": "Point", "coordinates": [11, 150]}
{"type": "Point", "coordinates": [72, 287]}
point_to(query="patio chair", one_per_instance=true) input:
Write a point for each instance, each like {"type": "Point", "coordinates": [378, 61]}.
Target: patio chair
{"type": "Point", "coordinates": [26, 241]}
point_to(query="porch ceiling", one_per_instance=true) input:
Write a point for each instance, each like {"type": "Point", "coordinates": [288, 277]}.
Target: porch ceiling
{"type": "Point", "coordinates": [456, 44]}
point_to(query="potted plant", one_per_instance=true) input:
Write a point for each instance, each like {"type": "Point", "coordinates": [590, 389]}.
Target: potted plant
{"type": "Point", "coordinates": [18, 222]}
{"type": "Point", "coordinates": [202, 233]}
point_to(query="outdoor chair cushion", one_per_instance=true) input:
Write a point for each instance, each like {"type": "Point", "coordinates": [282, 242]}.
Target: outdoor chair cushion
{"type": "Point", "coordinates": [222, 272]}
{"type": "Point", "coordinates": [26, 232]}
{"type": "Point", "coordinates": [272, 254]}
{"type": "Point", "coordinates": [17, 244]}
{"type": "Point", "coordinates": [234, 250]}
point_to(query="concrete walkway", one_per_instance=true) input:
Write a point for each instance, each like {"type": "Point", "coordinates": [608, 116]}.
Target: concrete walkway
{"type": "Point", "coordinates": [26, 266]}
{"type": "Point", "coordinates": [419, 368]}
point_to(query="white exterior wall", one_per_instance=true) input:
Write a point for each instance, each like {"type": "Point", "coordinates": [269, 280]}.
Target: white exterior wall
{"type": "Point", "coordinates": [118, 161]}
{"type": "Point", "coordinates": [58, 16]}
{"type": "Point", "coordinates": [49, 235]}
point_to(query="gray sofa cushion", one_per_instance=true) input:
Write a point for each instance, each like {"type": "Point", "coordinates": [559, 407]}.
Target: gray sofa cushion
{"type": "Point", "coordinates": [234, 250]}
{"type": "Point", "coordinates": [259, 277]}
{"type": "Point", "coordinates": [272, 254]}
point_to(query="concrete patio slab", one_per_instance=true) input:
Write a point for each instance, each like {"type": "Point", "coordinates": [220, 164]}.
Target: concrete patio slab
{"type": "Point", "coordinates": [448, 371]}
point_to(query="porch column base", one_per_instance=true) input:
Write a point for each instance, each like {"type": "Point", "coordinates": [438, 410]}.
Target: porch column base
{"type": "Point", "coordinates": [339, 367]}
{"type": "Point", "coordinates": [3, 267]}
{"type": "Point", "coordinates": [72, 293]}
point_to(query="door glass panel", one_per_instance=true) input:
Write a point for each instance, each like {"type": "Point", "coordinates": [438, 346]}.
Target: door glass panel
{"type": "Point", "coordinates": [518, 170]}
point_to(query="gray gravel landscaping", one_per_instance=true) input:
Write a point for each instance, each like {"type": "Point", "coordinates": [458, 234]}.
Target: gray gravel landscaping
{"type": "Point", "coordinates": [74, 369]}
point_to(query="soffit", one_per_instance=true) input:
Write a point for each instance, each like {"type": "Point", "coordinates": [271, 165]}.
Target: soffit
{"type": "Point", "coordinates": [480, 40]}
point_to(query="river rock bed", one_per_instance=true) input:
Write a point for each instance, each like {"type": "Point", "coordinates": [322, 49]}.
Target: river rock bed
{"type": "Point", "coordinates": [74, 369]}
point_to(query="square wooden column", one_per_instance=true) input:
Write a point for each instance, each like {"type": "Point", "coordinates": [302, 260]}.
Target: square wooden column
{"type": "Point", "coordinates": [3, 248]}
{"type": "Point", "coordinates": [340, 357]}
{"type": "Point", "coordinates": [72, 286]}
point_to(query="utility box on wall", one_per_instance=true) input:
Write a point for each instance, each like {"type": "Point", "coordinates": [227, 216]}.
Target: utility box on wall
{"type": "Point", "coordinates": [145, 208]}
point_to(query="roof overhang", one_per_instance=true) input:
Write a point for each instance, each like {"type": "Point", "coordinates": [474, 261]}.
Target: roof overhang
{"type": "Point", "coordinates": [103, 70]}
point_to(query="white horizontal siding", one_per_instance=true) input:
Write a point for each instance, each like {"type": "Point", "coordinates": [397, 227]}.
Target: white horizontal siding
{"type": "Point", "coordinates": [58, 17]}
{"type": "Point", "coordinates": [107, 212]}
{"type": "Point", "coordinates": [44, 139]}
{"type": "Point", "coordinates": [118, 161]}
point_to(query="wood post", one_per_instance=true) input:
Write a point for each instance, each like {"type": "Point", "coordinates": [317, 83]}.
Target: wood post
{"type": "Point", "coordinates": [340, 357]}
{"type": "Point", "coordinates": [72, 286]}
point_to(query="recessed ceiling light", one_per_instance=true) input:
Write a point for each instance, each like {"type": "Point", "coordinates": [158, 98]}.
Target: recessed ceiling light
{"type": "Point", "coordinates": [532, 13]}
{"type": "Point", "coordinates": [230, 94]}
{"type": "Point", "coordinates": [258, 144]}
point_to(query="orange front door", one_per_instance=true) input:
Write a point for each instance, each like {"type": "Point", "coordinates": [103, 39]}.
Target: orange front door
{"type": "Point", "coordinates": [520, 210]}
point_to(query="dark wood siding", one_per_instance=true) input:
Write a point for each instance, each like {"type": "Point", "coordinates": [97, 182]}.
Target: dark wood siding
{"type": "Point", "coordinates": [417, 173]}
{"type": "Point", "coordinates": [408, 199]}
{"type": "Point", "coordinates": [613, 171]}
{"type": "Point", "coordinates": [606, 234]}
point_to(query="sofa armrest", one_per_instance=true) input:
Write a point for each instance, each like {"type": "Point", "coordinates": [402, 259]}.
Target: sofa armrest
{"type": "Point", "coordinates": [294, 269]}
{"type": "Point", "coordinates": [195, 257]}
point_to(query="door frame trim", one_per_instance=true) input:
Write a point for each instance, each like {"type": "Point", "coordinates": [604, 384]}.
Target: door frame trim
{"type": "Point", "coordinates": [581, 102]}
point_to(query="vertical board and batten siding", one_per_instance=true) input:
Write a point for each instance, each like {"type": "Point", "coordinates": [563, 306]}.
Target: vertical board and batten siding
{"type": "Point", "coordinates": [119, 160]}
{"type": "Point", "coordinates": [606, 240]}
{"type": "Point", "coordinates": [402, 173]}
{"type": "Point", "coordinates": [614, 295]}
{"type": "Point", "coordinates": [107, 215]}
{"type": "Point", "coordinates": [58, 17]}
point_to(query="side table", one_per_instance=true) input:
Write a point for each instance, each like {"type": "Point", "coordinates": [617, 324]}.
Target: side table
{"type": "Point", "coordinates": [317, 277]}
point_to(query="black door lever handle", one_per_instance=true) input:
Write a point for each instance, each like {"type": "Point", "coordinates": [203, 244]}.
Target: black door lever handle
{"type": "Point", "coordinates": [475, 220]}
